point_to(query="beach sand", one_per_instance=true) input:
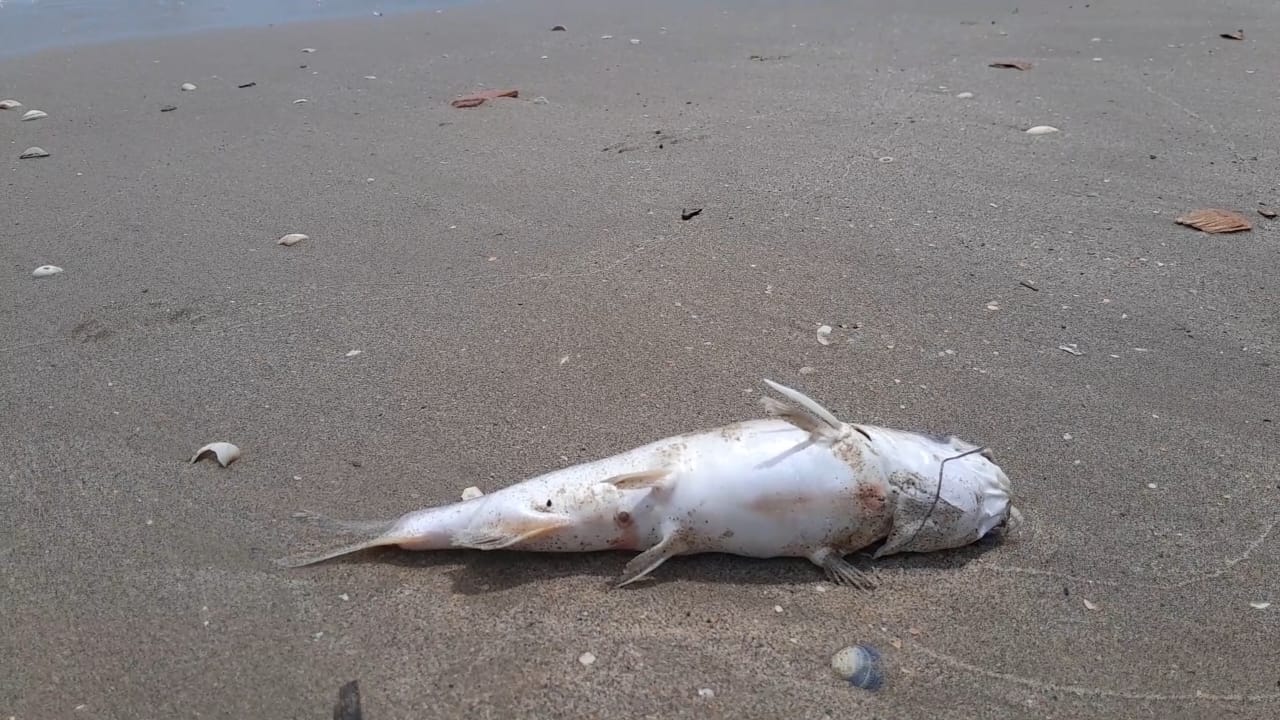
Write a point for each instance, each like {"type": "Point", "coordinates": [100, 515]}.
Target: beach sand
{"type": "Point", "coordinates": [525, 295]}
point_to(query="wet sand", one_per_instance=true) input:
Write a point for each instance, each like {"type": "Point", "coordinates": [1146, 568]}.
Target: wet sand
{"type": "Point", "coordinates": [525, 295]}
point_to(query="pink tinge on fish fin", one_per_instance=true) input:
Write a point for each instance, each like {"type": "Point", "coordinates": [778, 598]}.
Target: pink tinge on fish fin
{"type": "Point", "coordinates": [641, 480]}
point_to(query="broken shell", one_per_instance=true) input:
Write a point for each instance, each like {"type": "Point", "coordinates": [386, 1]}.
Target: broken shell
{"type": "Point", "coordinates": [224, 452]}
{"type": "Point", "coordinates": [33, 152]}
{"type": "Point", "coordinates": [34, 115]}
{"type": "Point", "coordinates": [46, 271]}
{"type": "Point", "coordinates": [188, 86]}
{"type": "Point", "coordinates": [964, 95]}
{"type": "Point", "coordinates": [824, 335]}
{"type": "Point", "coordinates": [9, 104]}
{"type": "Point", "coordinates": [1213, 220]}
{"type": "Point", "coordinates": [587, 659]}
{"type": "Point", "coordinates": [860, 665]}
{"type": "Point", "coordinates": [292, 239]}
{"type": "Point", "coordinates": [1042, 130]}
{"type": "Point", "coordinates": [472, 493]}
{"type": "Point", "coordinates": [1259, 605]}
{"type": "Point", "coordinates": [1090, 605]}
{"type": "Point", "coordinates": [299, 101]}
{"type": "Point", "coordinates": [308, 50]}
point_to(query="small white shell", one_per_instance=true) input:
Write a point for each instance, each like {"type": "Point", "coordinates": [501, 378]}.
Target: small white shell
{"type": "Point", "coordinates": [472, 493]}
{"type": "Point", "coordinates": [9, 104]}
{"type": "Point", "coordinates": [1260, 605]}
{"type": "Point", "coordinates": [292, 239]}
{"type": "Point", "coordinates": [188, 86]}
{"type": "Point", "coordinates": [964, 95]}
{"type": "Point", "coordinates": [46, 271]}
{"type": "Point", "coordinates": [34, 115]}
{"type": "Point", "coordinates": [824, 335]}
{"type": "Point", "coordinates": [33, 152]}
{"type": "Point", "coordinates": [1042, 130]}
{"type": "Point", "coordinates": [308, 50]}
{"type": "Point", "coordinates": [224, 452]}
{"type": "Point", "coordinates": [353, 353]}
{"type": "Point", "coordinates": [587, 659]}
{"type": "Point", "coordinates": [299, 101]}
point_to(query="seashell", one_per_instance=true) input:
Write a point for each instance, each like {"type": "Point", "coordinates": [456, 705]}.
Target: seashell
{"type": "Point", "coordinates": [353, 353]}
{"type": "Point", "coordinates": [635, 41]}
{"type": "Point", "coordinates": [824, 335]}
{"type": "Point", "coordinates": [1213, 220]}
{"type": "Point", "coordinates": [188, 86]}
{"type": "Point", "coordinates": [1042, 130]}
{"type": "Point", "coordinates": [292, 239]}
{"type": "Point", "coordinates": [224, 452]}
{"type": "Point", "coordinates": [308, 50]}
{"type": "Point", "coordinates": [299, 101]}
{"type": "Point", "coordinates": [1260, 605]}
{"type": "Point", "coordinates": [472, 493]}
{"type": "Point", "coordinates": [9, 104]}
{"type": "Point", "coordinates": [46, 271]}
{"type": "Point", "coordinates": [34, 115]}
{"type": "Point", "coordinates": [964, 95]}
{"type": "Point", "coordinates": [860, 665]}
{"type": "Point", "coordinates": [33, 152]}
{"type": "Point", "coordinates": [587, 659]}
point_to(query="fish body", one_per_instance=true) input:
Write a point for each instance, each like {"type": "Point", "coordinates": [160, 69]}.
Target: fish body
{"type": "Point", "coordinates": [800, 483]}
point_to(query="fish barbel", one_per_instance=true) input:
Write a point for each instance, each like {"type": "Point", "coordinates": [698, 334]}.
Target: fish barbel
{"type": "Point", "coordinates": [799, 483]}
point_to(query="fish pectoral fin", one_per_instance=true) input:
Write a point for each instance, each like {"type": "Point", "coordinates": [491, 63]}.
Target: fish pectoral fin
{"type": "Point", "coordinates": [649, 560]}
{"type": "Point", "coordinates": [504, 534]}
{"type": "Point", "coordinates": [641, 480]}
{"type": "Point", "coordinates": [841, 571]}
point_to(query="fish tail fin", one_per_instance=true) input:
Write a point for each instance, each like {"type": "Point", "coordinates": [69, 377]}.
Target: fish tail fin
{"type": "Point", "coordinates": [807, 413]}
{"type": "Point", "coordinates": [370, 534]}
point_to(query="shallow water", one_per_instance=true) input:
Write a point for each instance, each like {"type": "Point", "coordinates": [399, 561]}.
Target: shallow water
{"type": "Point", "coordinates": [30, 25]}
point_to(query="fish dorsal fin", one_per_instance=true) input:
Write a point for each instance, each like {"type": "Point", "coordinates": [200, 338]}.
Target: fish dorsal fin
{"type": "Point", "coordinates": [807, 414]}
{"type": "Point", "coordinates": [641, 480]}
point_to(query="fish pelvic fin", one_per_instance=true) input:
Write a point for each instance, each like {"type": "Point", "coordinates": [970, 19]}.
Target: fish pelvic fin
{"type": "Point", "coordinates": [371, 533]}
{"type": "Point", "coordinates": [806, 413]}
{"type": "Point", "coordinates": [658, 478]}
{"type": "Point", "coordinates": [505, 533]}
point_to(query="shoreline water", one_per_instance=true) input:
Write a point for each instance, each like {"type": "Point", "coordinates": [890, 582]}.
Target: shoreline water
{"type": "Point", "coordinates": [28, 26]}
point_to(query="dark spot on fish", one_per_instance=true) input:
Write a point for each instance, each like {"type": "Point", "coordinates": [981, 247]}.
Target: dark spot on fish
{"type": "Point", "coordinates": [623, 518]}
{"type": "Point", "coordinates": [726, 534]}
{"type": "Point", "coordinates": [548, 502]}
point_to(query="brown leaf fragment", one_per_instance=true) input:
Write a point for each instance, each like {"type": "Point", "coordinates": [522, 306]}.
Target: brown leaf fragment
{"type": "Point", "coordinates": [1213, 220]}
{"type": "Point", "coordinates": [1011, 64]}
{"type": "Point", "coordinates": [1237, 35]}
{"type": "Point", "coordinates": [1267, 213]}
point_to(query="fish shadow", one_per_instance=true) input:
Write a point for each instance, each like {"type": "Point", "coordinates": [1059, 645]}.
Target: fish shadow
{"type": "Point", "coordinates": [473, 572]}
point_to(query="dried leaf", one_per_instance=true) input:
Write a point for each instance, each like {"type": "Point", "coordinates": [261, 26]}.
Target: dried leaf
{"type": "Point", "coordinates": [1213, 220]}
{"type": "Point", "coordinates": [1012, 64]}
{"type": "Point", "coordinates": [1237, 35]}
{"type": "Point", "coordinates": [1267, 213]}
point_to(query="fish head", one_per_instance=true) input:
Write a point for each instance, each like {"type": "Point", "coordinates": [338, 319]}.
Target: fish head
{"type": "Point", "coordinates": [947, 492]}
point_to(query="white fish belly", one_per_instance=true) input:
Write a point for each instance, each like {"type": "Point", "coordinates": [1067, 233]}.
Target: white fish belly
{"type": "Point", "coordinates": [762, 489]}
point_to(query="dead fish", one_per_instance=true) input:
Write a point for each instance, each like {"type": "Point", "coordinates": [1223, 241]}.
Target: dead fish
{"type": "Point", "coordinates": [800, 483]}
